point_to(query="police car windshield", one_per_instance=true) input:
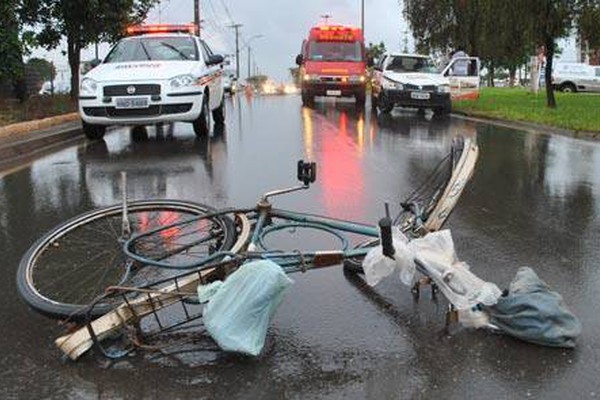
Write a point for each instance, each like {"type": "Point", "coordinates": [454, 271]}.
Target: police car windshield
{"type": "Point", "coordinates": [334, 51]}
{"type": "Point", "coordinates": [410, 64]}
{"type": "Point", "coordinates": [159, 48]}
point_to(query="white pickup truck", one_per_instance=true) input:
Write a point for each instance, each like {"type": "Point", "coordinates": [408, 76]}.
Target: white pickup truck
{"type": "Point", "coordinates": [414, 81]}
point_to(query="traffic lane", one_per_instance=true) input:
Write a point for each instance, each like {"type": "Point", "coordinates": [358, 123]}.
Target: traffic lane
{"type": "Point", "coordinates": [330, 337]}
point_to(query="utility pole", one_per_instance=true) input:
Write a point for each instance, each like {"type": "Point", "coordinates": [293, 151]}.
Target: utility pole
{"type": "Point", "coordinates": [249, 68]}
{"type": "Point", "coordinates": [362, 16]}
{"type": "Point", "coordinates": [196, 16]}
{"type": "Point", "coordinates": [237, 48]}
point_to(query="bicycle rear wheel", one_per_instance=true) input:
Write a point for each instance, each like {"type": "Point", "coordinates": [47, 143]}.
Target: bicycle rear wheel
{"type": "Point", "coordinates": [74, 263]}
{"type": "Point", "coordinates": [435, 198]}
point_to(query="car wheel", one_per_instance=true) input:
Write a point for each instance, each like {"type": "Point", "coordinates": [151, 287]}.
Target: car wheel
{"type": "Point", "coordinates": [219, 113]}
{"type": "Point", "coordinates": [568, 88]}
{"type": "Point", "coordinates": [202, 124]}
{"type": "Point", "coordinates": [93, 132]}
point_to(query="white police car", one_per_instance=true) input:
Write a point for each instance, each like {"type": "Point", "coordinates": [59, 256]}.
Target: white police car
{"type": "Point", "coordinates": [160, 73]}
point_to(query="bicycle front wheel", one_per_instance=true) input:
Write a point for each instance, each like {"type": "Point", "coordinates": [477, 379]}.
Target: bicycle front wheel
{"type": "Point", "coordinates": [435, 198]}
{"type": "Point", "coordinates": [74, 263]}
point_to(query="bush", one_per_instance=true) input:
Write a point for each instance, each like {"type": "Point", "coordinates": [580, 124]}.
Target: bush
{"type": "Point", "coordinates": [36, 107]}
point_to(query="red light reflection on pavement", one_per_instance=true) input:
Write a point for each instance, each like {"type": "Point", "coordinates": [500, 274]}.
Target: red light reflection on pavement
{"type": "Point", "coordinates": [339, 155]}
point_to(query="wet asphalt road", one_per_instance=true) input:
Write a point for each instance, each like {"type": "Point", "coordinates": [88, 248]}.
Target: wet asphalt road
{"type": "Point", "coordinates": [534, 200]}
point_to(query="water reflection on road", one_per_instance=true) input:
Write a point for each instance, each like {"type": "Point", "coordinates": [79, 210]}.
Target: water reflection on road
{"type": "Point", "coordinates": [534, 200]}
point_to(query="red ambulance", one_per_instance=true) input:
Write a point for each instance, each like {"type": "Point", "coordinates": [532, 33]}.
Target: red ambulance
{"type": "Point", "coordinates": [333, 63]}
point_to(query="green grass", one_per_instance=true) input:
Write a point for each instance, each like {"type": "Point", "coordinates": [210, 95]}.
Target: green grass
{"type": "Point", "coordinates": [36, 107]}
{"type": "Point", "coordinates": [575, 111]}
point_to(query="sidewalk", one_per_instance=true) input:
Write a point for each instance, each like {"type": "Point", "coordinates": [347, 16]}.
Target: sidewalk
{"type": "Point", "coordinates": [23, 141]}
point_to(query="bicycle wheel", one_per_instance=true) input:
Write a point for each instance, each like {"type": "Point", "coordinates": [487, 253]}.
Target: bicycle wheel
{"type": "Point", "coordinates": [435, 198]}
{"type": "Point", "coordinates": [71, 265]}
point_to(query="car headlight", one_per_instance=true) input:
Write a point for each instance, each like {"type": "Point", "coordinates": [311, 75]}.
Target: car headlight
{"type": "Point", "coordinates": [182, 81]}
{"type": "Point", "coordinates": [390, 84]}
{"type": "Point", "coordinates": [357, 78]}
{"type": "Point", "coordinates": [443, 89]}
{"type": "Point", "coordinates": [88, 86]}
{"type": "Point", "coordinates": [309, 77]}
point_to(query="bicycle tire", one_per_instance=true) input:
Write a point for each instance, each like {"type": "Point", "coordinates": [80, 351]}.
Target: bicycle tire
{"type": "Point", "coordinates": [60, 284]}
{"type": "Point", "coordinates": [441, 196]}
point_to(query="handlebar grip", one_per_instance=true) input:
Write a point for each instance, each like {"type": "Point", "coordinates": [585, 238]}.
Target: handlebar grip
{"type": "Point", "coordinates": [385, 230]}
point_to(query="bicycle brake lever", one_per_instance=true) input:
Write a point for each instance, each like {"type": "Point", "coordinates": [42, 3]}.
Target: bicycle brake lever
{"type": "Point", "coordinates": [385, 231]}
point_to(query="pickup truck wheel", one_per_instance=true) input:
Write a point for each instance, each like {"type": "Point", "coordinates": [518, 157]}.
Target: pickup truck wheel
{"type": "Point", "coordinates": [219, 113]}
{"type": "Point", "coordinates": [383, 104]}
{"type": "Point", "coordinates": [568, 88]}
{"type": "Point", "coordinates": [445, 109]}
{"type": "Point", "coordinates": [202, 124]}
{"type": "Point", "coordinates": [93, 132]}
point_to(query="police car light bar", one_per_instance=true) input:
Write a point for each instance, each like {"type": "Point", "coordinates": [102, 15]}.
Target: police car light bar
{"type": "Point", "coordinates": [163, 28]}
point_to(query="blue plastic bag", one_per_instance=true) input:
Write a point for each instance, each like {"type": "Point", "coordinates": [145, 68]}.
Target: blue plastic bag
{"type": "Point", "coordinates": [239, 310]}
{"type": "Point", "coordinates": [535, 313]}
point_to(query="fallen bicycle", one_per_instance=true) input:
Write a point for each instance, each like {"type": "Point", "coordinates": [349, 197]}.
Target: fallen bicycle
{"type": "Point", "coordinates": [141, 269]}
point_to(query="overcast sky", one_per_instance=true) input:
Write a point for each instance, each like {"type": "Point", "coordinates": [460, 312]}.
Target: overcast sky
{"type": "Point", "coordinates": [283, 24]}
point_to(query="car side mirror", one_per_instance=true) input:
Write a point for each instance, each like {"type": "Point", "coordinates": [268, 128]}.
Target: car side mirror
{"type": "Point", "coordinates": [299, 59]}
{"type": "Point", "coordinates": [370, 61]}
{"type": "Point", "coordinates": [214, 59]}
{"type": "Point", "coordinates": [95, 62]}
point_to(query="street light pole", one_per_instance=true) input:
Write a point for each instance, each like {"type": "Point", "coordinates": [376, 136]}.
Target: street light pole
{"type": "Point", "coordinates": [237, 48]}
{"type": "Point", "coordinates": [249, 68]}
{"type": "Point", "coordinates": [249, 52]}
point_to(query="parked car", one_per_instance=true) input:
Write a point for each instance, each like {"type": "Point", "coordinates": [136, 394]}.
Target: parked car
{"type": "Point", "coordinates": [159, 73]}
{"type": "Point", "coordinates": [576, 77]}
{"type": "Point", "coordinates": [230, 83]}
{"type": "Point", "coordinates": [60, 87]}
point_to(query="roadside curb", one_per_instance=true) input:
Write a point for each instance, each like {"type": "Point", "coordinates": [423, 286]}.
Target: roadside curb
{"type": "Point", "coordinates": [13, 131]}
{"type": "Point", "coordinates": [26, 146]}
{"type": "Point", "coordinates": [528, 126]}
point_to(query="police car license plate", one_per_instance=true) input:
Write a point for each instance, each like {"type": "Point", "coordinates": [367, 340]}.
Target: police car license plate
{"type": "Point", "coordinates": [132, 102]}
{"type": "Point", "coordinates": [420, 95]}
{"type": "Point", "coordinates": [333, 93]}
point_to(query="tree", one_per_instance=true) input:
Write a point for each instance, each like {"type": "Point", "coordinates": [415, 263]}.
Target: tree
{"type": "Point", "coordinates": [11, 67]}
{"type": "Point", "coordinates": [43, 67]}
{"type": "Point", "coordinates": [81, 22]}
{"type": "Point", "coordinates": [502, 33]}
{"type": "Point", "coordinates": [295, 73]}
{"type": "Point", "coordinates": [375, 51]}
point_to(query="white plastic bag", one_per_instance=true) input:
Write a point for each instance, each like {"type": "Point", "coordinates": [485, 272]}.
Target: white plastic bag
{"type": "Point", "coordinates": [239, 310]}
{"type": "Point", "coordinates": [435, 253]}
{"type": "Point", "coordinates": [376, 266]}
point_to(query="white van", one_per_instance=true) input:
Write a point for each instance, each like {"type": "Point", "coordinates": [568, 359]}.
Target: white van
{"type": "Point", "coordinates": [576, 77]}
